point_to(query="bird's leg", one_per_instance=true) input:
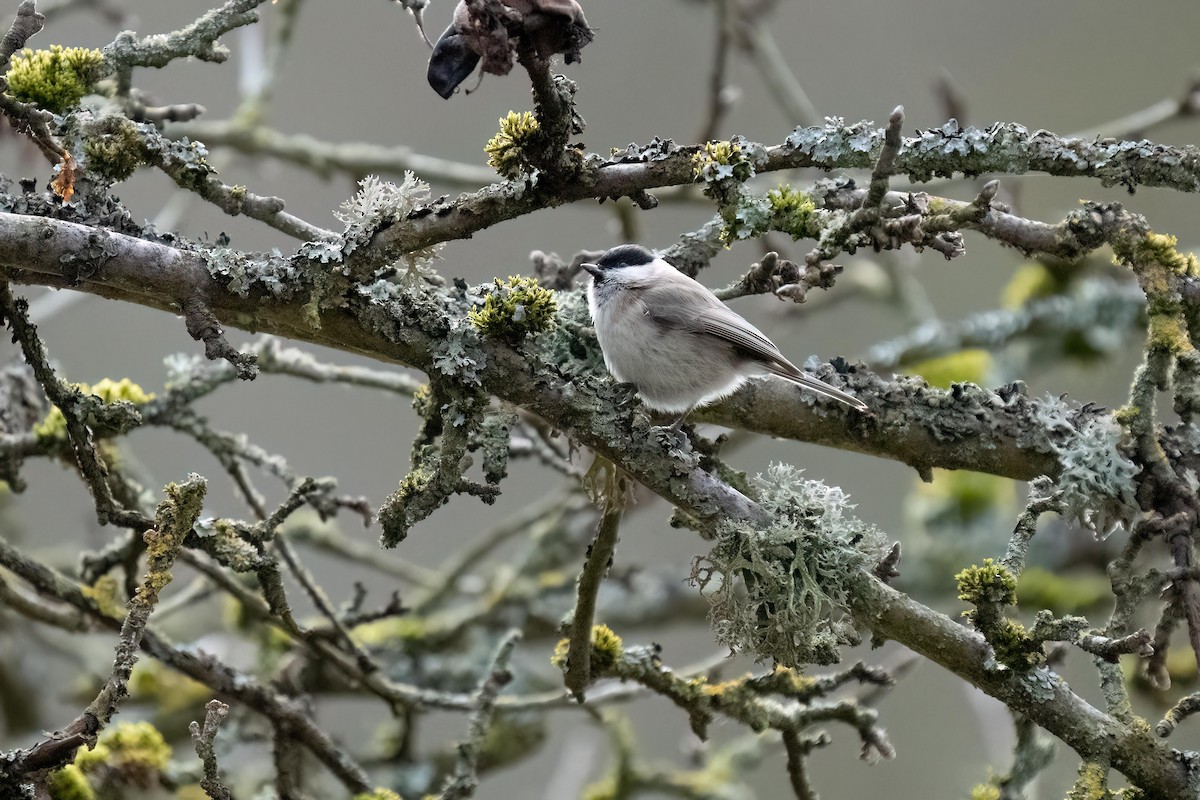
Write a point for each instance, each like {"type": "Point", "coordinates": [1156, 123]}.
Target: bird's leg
{"type": "Point", "coordinates": [673, 436]}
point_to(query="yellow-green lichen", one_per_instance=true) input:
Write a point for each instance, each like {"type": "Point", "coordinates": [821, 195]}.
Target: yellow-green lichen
{"type": "Point", "coordinates": [1158, 248]}
{"type": "Point", "coordinates": [607, 650]}
{"type": "Point", "coordinates": [391, 630]}
{"type": "Point", "coordinates": [723, 153]}
{"type": "Point", "coordinates": [69, 783]}
{"type": "Point", "coordinates": [965, 366]}
{"type": "Point", "coordinates": [1013, 646]}
{"type": "Point", "coordinates": [169, 691]}
{"type": "Point", "coordinates": [106, 595]}
{"type": "Point", "coordinates": [962, 496]}
{"type": "Point", "coordinates": [54, 426]}
{"type": "Point", "coordinates": [1031, 281]}
{"type": "Point", "coordinates": [1166, 332]}
{"type": "Point", "coordinates": [422, 400]}
{"type": "Point", "coordinates": [1126, 414]}
{"type": "Point", "coordinates": [134, 750]}
{"type": "Point", "coordinates": [54, 79]}
{"type": "Point", "coordinates": [989, 583]}
{"type": "Point", "coordinates": [113, 148]}
{"type": "Point", "coordinates": [1040, 588]}
{"type": "Point", "coordinates": [506, 150]}
{"type": "Point", "coordinates": [985, 791]}
{"type": "Point", "coordinates": [378, 794]}
{"type": "Point", "coordinates": [515, 308]}
{"type": "Point", "coordinates": [792, 212]}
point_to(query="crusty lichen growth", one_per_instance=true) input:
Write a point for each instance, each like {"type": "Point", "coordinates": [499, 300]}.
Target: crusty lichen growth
{"type": "Point", "coordinates": [514, 309]}
{"type": "Point", "coordinates": [1092, 784]}
{"type": "Point", "coordinates": [54, 426]}
{"type": "Point", "coordinates": [55, 79]}
{"type": "Point", "coordinates": [1158, 265]}
{"type": "Point", "coordinates": [795, 576]}
{"type": "Point", "coordinates": [607, 649]}
{"type": "Point", "coordinates": [69, 783]}
{"type": "Point", "coordinates": [134, 751]}
{"type": "Point", "coordinates": [506, 151]}
{"type": "Point", "coordinates": [396, 514]}
{"type": "Point", "coordinates": [112, 148]}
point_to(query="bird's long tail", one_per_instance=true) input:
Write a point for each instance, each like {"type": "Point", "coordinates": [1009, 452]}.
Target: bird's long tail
{"type": "Point", "coordinates": [820, 387]}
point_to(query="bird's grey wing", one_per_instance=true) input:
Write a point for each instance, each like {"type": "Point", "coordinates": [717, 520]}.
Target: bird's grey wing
{"type": "Point", "coordinates": [694, 308]}
{"type": "Point", "coordinates": [708, 315]}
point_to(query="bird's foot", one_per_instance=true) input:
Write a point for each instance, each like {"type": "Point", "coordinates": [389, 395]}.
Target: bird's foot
{"type": "Point", "coordinates": [674, 438]}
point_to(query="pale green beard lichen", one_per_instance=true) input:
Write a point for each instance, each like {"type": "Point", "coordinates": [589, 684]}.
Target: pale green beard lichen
{"type": "Point", "coordinates": [781, 593]}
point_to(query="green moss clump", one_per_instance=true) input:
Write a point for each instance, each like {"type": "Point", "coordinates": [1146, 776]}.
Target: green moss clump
{"type": "Point", "coordinates": [1031, 281]}
{"type": "Point", "coordinates": [69, 783]}
{"type": "Point", "coordinates": [607, 650]}
{"type": "Point", "coordinates": [990, 583]}
{"type": "Point", "coordinates": [515, 308]}
{"type": "Point", "coordinates": [506, 150]}
{"type": "Point", "coordinates": [54, 79]}
{"type": "Point", "coordinates": [792, 212]}
{"type": "Point", "coordinates": [113, 148]}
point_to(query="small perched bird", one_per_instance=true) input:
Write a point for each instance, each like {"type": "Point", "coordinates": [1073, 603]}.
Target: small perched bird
{"type": "Point", "coordinates": [672, 338]}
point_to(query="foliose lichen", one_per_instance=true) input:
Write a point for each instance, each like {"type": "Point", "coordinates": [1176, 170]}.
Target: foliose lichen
{"type": "Point", "coordinates": [55, 79]}
{"type": "Point", "coordinates": [1096, 479]}
{"type": "Point", "coordinates": [781, 593]}
{"type": "Point", "coordinates": [377, 202]}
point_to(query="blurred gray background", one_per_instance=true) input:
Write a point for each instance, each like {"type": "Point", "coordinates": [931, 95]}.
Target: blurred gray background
{"type": "Point", "coordinates": [357, 73]}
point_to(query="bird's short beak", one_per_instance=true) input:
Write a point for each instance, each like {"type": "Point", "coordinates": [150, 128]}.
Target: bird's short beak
{"type": "Point", "coordinates": [593, 270]}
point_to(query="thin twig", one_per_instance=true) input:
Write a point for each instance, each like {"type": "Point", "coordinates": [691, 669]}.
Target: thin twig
{"type": "Point", "coordinates": [578, 672]}
{"type": "Point", "coordinates": [465, 779]}
{"type": "Point", "coordinates": [204, 740]}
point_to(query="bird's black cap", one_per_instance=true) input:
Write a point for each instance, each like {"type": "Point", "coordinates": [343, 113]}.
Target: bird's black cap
{"type": "Point", "coordinates": [627, 255]}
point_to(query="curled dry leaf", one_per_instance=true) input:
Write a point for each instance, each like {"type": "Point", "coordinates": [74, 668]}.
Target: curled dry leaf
{"type": "Point", "coordinates": [64, 183]}
{"type": "Point", "coordinates": [488, 32]}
